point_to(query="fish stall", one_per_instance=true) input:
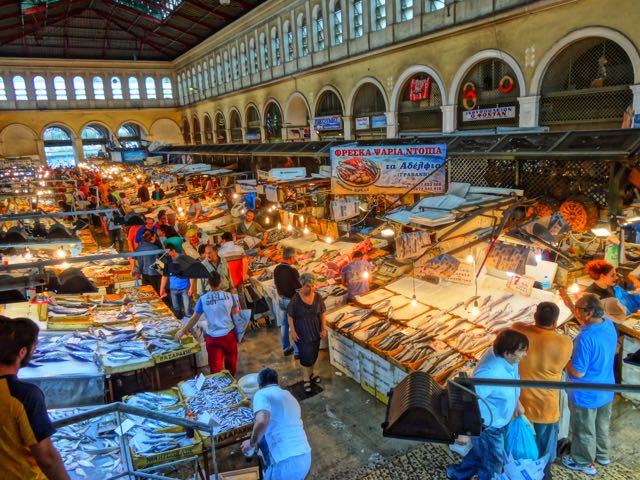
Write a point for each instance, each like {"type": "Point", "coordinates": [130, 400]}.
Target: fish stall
{"type": "Point", "coordinates": [413, 325]}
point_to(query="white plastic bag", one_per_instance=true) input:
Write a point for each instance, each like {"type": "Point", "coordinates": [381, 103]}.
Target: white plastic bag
{"type": "Point", "coordinates": [523, 469]}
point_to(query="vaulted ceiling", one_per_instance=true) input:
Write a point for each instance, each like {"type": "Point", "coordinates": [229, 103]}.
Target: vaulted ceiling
{"type": "Point", "coordinates": [112, 29]}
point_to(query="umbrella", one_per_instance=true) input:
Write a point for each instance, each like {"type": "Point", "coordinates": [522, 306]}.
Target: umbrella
{"type": "Point", "coordinates": [186, 267]}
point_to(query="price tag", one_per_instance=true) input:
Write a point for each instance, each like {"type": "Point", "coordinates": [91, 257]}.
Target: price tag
{"type": "Point", "coordinates": [521, 284]}
{"type": "Point", "coordinates": [200, 379]}
{"type": "Point", "coordinates": [464, 274]}
{"type": "Point", "coordinates": [125, 426]}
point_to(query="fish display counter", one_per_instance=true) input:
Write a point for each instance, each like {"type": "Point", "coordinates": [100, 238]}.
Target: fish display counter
{"type": "Point", "coordinates": [412, 325]}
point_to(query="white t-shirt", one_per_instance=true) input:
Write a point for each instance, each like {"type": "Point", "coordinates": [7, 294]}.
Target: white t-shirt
{"type": "Point", "coordinates": [217, 307]}
{"type": "Point", "coordinates": [230, 249]}
{"type": "Point", "coordinates": [285, 433]}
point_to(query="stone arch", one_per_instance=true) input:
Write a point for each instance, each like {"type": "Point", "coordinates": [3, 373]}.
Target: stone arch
{"type": "Point", "coordinates": [19, 140]}
{"type": "Point", "coordinates": [328, 88]}
{"type": "Point", "coordinates": [97, 122]}
{"type": "Point", "coordinates": [166, 130]}
{"type": "Point", "coordinates": [296, 98]}
{"type": "Point", "coordinates": [356, 87]}
{"type": "Point", "coordinates": [196, 130]}
{"type": "Point", "coordinates": [603, 32]}
{"type": "Point", "coordinates": [62, 125]}
{"type": "Point", "coordinates": [186, 131]}
{"type": "Point", "coordinates": [143, 129]}
{"type": "Point", "coordinates": [207, 128]}
{"type": "Point", "coordinates": [408, 73]}
{"type": "Point", "coordinates": [478, 57]}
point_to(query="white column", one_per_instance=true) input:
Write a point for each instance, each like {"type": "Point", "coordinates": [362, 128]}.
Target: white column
{"type": "Point", "coordinates": [346, 127]}
{"type": "Point", "coordinates": [636, 98]}
{"type": "Point", "coordinates": [448, 118]}
{"type": "Point", "coordinates": [529, 111]}
{"type": "Point", "coordinates": [392, 124]}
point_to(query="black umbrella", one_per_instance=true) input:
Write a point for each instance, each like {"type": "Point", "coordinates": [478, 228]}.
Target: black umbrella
{"type": "Point", "coordinates": [184, 266]}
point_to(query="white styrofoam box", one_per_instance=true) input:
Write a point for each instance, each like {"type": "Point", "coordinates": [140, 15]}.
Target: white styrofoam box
{"type": "Point", "coordinates": [398, 375]}
{"type": "Point", "coordinates": [631, 375]}
{"type": "Point", "coordinates": [630, 344]}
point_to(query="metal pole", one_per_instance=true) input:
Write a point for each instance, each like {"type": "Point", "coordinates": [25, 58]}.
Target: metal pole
{"type": "Point", "coordinates": [214, 461]}
{"type": "Point", "coordinates": [168, 464]}
{"type": "Point", "coordinates": [88, 258]}
{"type": "Point", "coordinates": [25, 216]}
{"type": "Point", "coordinates": [603, 387]}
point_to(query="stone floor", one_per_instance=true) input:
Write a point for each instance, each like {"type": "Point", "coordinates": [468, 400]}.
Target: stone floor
{"type": "Point", "coordinates": [343, 426]}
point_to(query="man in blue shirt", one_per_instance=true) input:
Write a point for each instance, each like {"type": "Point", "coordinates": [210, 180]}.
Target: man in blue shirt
{"type": "Point", "coordinates": [356, 275]}
{"type": "Point", "coordinates": [594, 350]}
{"type": "Point", "coordinates": [498, 408]}
{"type": "Point", "coordinates": [182, 289]}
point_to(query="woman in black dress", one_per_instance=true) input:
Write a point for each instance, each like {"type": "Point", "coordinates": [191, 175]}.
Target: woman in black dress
{"type": "Point", "coordinates": [307, 325]}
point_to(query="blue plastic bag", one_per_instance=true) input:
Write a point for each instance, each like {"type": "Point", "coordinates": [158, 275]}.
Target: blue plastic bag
{"type": "Point", "coordinates": [521, 440]}
{"type": "Point", "coordinates": [631, 301]}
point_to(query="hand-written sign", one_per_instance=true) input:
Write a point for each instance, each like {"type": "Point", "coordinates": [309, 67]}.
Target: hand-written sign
{"type": "Point", "coordinates": [443, 266]}
{"type": "Point", "coordinates": [521, 284]}
{"type": "Point", "coordinates": [508, 258]}
{"type": "Point", "coordinates": [464, 274]}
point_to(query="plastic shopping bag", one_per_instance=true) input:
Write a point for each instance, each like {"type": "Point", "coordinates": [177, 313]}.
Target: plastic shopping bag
{"type": "Point", "coordinates": [521, 440]}
{"type": "Point", "coordinates": [523, 469]}
{"type": "Point", "coordinates": [630, 301]}
{"type": "Point", "coordinates": [241, 322]}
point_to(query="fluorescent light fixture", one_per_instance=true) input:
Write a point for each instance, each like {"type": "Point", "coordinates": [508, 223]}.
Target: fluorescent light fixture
{"type": "Point", "coordinates": [601, 232]}
{"type": "Point", "coordinates": [510, 274]}
{"type": "Point", "coordinates": [632, 220]}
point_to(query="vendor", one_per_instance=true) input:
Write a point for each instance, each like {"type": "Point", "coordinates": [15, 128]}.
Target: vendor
{"type": "Point", "coordinates": [158, 192]}
{"type": "Point", "coordinates": [195, 208]}
{"type": "Point", "coordinates": [356, 275]}
{"type": "Point", "coordinates": [604, 276]}
{"type": "Point", "coordinates": [251, 228]}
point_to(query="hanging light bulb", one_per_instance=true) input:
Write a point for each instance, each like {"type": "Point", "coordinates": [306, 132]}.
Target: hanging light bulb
{"type": "Point", "coordinates": [301, 218]}
{"type": "Point", "coordinates": [28, 255]}
{"type": "Point", "coordinates": [387, 232]}
{"type": "Point", "coordinates": [365, 274]}
{"type": "Point", "coordinates": [575, 288]}
{"type": "Point", "coordinates": [470, 258]}
{"type": "Point", "coordinates": [305, 231]}
{"type": "Point", "coordinates": [475, 311]}
{"type": "Point", "coordinates": [328, 239]}
{"type": "Point", "coordinates": [267, 220]}
{"type": "Point", "coordinates": [414, 301]}
{"type": "Point", "coordinates": [279, 226]}
{"type": "Point", "coordinates": [235, 195]}
{"type": "Point", "coordinates": [60, 253]}
{"type": "Point", "coordinates": [289, 227]}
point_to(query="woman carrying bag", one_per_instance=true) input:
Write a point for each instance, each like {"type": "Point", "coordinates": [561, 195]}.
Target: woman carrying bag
{"type": "Point", "coordinates": [307, 325]}
{"type": "Point", "coordinates": [220, 334]}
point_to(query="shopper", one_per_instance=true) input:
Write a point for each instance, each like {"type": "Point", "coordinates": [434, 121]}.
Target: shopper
{"type": "Point", "coordinates": [498, 407]}
{"type": "Point", "coordinates": [592, 362]}
{"type": "Point", "coordinates": [114, 226]}
{"type": "Point", "coordinates": [222, 344]}
{"type": "Point", "coordinates": [604, 278]}
{"type": "Point", "coordinates": [143, 193]}
{"type": "Point", "coordinates": [158, 193]}
{"type": "Point", "coordinates": [192, 244]}
{"type": "Point", "coordinates": [228, 248]}
{"type": "Point", "coordinates": [182, 289]}
{"type": "Point", "coordinates": [169, 236]}
{"type": "Point", "coordinates": [195, 208]}
{"type": "Point", "coordinates": [145, 266]}
{"type": "Point", "coordinates": [307, 324]}
{"type": "Point", "coordinates": [278, 431]}
{"type": "Point", "coordinates": [26, 450]}
{"type": "Point", "coordinates": [356, 274]}
{"type": "Point", "coordinates": [287, 281]}
{"type": "Point", "coordinates": [149, 226]}
{"type": "Point", "coordinates": [549, 352]}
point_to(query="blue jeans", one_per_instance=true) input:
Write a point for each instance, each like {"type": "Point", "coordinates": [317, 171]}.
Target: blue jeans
{"type": "Point", "coordinates": [485, 457]}
{"type": "Point", "coordinates": [181, 298]}
{"type": "Point", "coordinates": [283, 303]}
{"type": "Point", "coordinates": [547, 440]}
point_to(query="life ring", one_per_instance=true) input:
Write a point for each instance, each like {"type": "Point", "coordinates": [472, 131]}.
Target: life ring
{"type": "Point", "coordinates": [506, 84]}
{"type": "Point", "coordinates": [470, 99]}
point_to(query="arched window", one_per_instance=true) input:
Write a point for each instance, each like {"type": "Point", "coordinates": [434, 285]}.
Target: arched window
{"type": "Point", "coordinates": [433, 5]}
{"type": "Point", "coordinates": [134, 89]}
{"type": "Point", "coordinates": [379, 14]}
{"type": "Point", "coordinates": [419, 105]}
{"type": "Point", "coordinates": [273, 122]}
{"type": "Point", "coordinates": [234, 64]}
{"type": "Point", "coordinates": [318, 28]}
{"type": "Point", "coordinates": [180, 92]}
{"type": "Point", "coordinates": [186, 131]}
{"type": "Point", "coordinates": [98, 88]}
{"type": "Point", "coordinates": [208, 129]}
{"type": "Point", "coordinates": [275, 47]}
{"type": "Point", "coordinates": [212, 72]}
{"type": "Point", "coordinates": [197, 136]}
{"type": "Point", "coordinates": [357, 27]}
{"type": "Point", "coordinates": [219, 70]}
{"type": "Point", "coordinates": [205, 78]}
{"type": "Point", "coordinates": [337, 23]}
{"type": "Point", "coordinates": [3, 90]}
{"type": "Point", "coordinates": [40, 86]}
{"type": "Point", "coordinates": [58, 147]}
{"type": "Point", "coordinates": [60, 88]}
{"type": "Point", "coordinates": [328, 105]}
{"type": "Point", "coordinates": [252, 131]}
{"type": "Point", "coordinates": [236, 127]}
{"type": "Point", "coordinates": [264, 52]}
{"type": "Point", "coordinates": [79, 89]}
{"type": "Point", "coordinates": [406, 10]}
{"type": "Point", "coordinates": [130, 135]}
{"type": "Point", "coordinates": [253, 56]}
{"type": "Point", "coordinates": [94, 141]}
{"type": "Point", "coordinates": [303, 36]}
{"type": "Point", "coordinates": [369, 117]}
{"type": "Point", "coordinates": [221, 128]}
{"type": "Point", "coordinates": [19, 88]}
{"type": "Point", "coordinates": [288, 42]}
{"type": "Point", "coordinates": [116, 88]}
{"type": "Point", "coordinates": [244, 62]}
{"type": "Point", "coordinates": [227, 68]}
{"type": "Point", "coordinates": [150, 88]}
{"type": "Point", "coordinates": [200, 86]}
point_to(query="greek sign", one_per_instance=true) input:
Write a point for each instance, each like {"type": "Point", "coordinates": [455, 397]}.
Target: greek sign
{"type": "Point", "coordinates": [489, 114]}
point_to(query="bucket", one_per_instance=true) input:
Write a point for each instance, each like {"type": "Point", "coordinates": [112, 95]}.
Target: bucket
{"type": "Point", "coordinates": [249, 385]}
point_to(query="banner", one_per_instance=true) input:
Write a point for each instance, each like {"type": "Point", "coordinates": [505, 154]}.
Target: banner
{"type": "Point", "coordinates": [488, 114]}
{"type": "Point", "coordinates": [134, 156]}
{"type": "Point", "coordinates": [420, 89]}
{"type": "Point", "coordinates": [412, 244]}
{"type": "Point", "coordinates": [332, 122]}
{"type": "Point", "coordinates": [362, 123]}
{"type": "Point", "coordinates": [388, 169]}
{"type": "Point", "coordinates": [379, 121]}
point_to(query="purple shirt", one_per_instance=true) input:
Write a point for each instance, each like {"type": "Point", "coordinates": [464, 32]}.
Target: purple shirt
{"type": "Point", "coordinates": [352, 275]}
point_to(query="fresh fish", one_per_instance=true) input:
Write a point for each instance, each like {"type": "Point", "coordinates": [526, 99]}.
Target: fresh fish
{"type": "Point", "coordinates": [470, 300]}
{"type": "Point", "coordinates": [381, 304]}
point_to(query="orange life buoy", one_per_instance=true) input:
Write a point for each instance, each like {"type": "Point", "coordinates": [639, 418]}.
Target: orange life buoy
{"type": "Point", "coordinates": [506, 84]}
{"type": "Point", "coordinates": [470, 99]}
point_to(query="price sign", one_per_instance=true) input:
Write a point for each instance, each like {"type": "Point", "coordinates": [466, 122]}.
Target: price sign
{"type": "Point", "coordinates": [464, 274]}
{"type": "Point", "coordinates": [521, 284]}
{"type": "Point", "coordinates": [200, 379]}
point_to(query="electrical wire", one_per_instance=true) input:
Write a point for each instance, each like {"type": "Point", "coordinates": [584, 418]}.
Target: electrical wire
{"type": "Point", "coordinates": [468, 390]}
